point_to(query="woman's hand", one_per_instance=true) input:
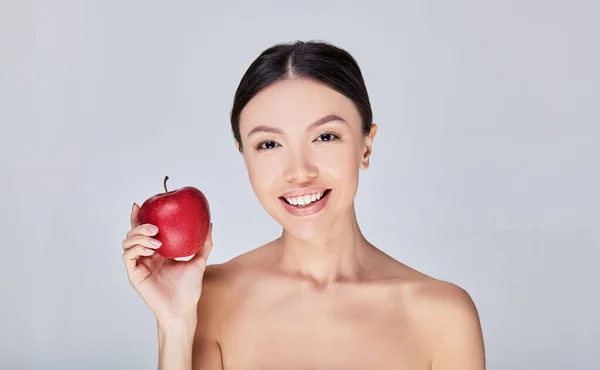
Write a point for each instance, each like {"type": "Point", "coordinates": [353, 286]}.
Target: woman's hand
{"type": "Point", "coordinates": [170, 288]}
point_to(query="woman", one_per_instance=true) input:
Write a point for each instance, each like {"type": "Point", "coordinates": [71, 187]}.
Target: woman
{"type": "Point", "coordinates": [320, 296]}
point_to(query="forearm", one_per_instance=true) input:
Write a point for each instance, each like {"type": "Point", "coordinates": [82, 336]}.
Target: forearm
{"type": "Point", "coordinates": [175, 341]}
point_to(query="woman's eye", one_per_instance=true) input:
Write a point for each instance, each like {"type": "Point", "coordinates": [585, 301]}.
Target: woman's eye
{"type": "Point", "coordinates": [327, 136]}
{"type": "Point", "coordinates": [266, 145]}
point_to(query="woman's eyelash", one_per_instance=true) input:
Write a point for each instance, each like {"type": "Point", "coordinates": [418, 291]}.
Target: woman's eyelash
{"type": "Point", "coordinates": [333, 136]}
{"type": "Point", "coordinates": [270, 144]}
{"type": "Point", "coordinates": [262, 145]}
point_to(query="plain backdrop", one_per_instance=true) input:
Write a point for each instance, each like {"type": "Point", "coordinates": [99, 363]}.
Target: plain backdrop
{"type": "Point", "coordinates": [485, 170]}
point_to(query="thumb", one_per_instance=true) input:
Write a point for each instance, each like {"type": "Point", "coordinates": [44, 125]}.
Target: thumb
{"type": "Point", "coordinates": [201, 257]}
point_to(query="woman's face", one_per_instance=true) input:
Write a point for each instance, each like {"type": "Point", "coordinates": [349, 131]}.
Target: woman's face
{"type": "Point", "coordinates": [303, 147]}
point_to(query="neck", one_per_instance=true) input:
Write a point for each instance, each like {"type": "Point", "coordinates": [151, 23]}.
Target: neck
{"type": "Point", "coordinates": [333, 257]}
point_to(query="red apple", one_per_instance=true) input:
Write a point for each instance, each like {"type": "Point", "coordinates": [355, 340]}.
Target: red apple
{"type": "Point", "coordinates": [182, 217]}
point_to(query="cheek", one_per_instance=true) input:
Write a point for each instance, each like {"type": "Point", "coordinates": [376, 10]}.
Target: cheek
{"type": "Point", "coordinates": [262, 173]}
{"type": "Point", "coordinates": [340, 162]}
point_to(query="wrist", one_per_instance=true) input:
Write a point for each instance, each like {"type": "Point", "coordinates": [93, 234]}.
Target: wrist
{"type": "Point", "coordinates": [177, 322]}
{"type": "Point", "coordinates": [174, 328]}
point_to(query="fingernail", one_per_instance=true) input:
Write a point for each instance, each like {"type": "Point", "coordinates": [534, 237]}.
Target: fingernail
{"type": "Point", "coordinates": [149, 251]}
{"type": "Point", "coordinates": [156, 242]}
{"type": "Point", "coordinates": [152, 228]}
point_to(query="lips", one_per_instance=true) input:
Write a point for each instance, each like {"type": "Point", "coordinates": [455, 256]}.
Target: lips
{"type": "Point", "coordinates": [306, 199]}
{"type": "Point", "coordinates": [311, 206]}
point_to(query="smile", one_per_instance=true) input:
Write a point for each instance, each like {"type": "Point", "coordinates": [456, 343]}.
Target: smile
{"type": "Point", "coordinates": [305, 200]}
{"type": "Point", "coordinates": [306, 204]}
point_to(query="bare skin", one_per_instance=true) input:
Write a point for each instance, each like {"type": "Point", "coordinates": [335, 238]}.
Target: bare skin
{"type": "Point", "coordinates": [320, 296]}
{"type": "Point", "coordinates": [254, 315]}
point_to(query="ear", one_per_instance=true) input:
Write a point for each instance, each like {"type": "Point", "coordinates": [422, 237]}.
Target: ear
{"type": "Point", "coordinates": [241, 151]}
{"type": "Point", "coordinates": [364, 161]}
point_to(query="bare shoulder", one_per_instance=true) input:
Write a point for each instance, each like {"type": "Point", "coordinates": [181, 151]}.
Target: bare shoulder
{"type": "Point", "coordinates": [221, 286]}
{"type": "Point", "coordinates": [447, 318]}
{"type": "Point", "coordinates": [441, 313]}
{"type": "Point", "coordinates": [213, 299]}
{"type": "Point", "coordinates": [439, 299]}
{"type": "Point", "coordinates": [423, 294]}
{"type": "Point", "coordinates": [222, 281]}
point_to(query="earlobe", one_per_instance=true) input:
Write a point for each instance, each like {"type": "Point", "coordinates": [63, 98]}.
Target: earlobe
{"type": "Point", "coordinates": [364, 163]}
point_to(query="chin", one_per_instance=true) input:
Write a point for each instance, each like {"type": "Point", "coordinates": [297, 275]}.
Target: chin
{"type": "Point", "coordinates": [311, 228]}
{"type": "Point", "coordinates": [315, 230]}
{"type": "Point", "coordinates": [308, 233]}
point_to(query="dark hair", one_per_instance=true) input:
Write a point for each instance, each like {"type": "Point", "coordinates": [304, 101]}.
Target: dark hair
{"type": "Point", "coordinates": [316, 60]}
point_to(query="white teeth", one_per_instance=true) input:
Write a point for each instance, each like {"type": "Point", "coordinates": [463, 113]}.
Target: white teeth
{"type": "Point", "coordinates": [305, 199]}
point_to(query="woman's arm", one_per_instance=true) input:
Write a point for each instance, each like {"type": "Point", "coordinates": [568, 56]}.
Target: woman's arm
{"type": "Point", "coordinates": [206, 350]}
{"type": "Point", "coordinates": [191, 344]}
{"type": "Point", "coordinates": [188, 345]}
{"type": "Point", "coordinates": [206, 354]}
{"type": "Point", "coordinates": [175, 343]}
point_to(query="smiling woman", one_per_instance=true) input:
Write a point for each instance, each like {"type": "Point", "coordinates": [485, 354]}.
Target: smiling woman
{"type": "Point", "coordinates": [299, 137]}
{"type": "Point", "coordinates": [320, 295]}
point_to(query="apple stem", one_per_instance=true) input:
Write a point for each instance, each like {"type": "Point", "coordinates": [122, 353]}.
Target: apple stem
{"type": "Point", "coordinates": [165, 184]}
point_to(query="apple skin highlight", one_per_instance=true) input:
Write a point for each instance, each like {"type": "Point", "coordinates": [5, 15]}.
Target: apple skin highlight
{"type": "Point", "coordinates": [182, 217]}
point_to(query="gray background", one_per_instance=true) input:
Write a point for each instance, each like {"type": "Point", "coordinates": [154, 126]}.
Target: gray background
{"type": "Point", "coordinates": [484, 172]}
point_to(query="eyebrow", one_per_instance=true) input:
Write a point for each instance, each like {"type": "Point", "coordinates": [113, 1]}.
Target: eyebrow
{"type": "Point", "coordinates": [320, 122]}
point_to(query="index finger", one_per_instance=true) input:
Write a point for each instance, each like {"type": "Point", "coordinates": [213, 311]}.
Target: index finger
{"type": "Point", "coordinates": [133, 218]}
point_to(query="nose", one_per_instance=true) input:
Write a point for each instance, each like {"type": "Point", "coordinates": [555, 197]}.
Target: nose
{"type": "Point", "coordinates": [300, 168]}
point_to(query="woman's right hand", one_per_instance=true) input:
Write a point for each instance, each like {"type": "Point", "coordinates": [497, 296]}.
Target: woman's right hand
{"type": "Point", "coordinates": [170, 288]}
